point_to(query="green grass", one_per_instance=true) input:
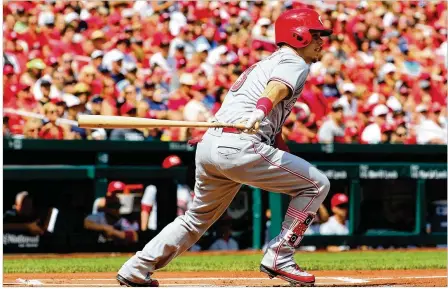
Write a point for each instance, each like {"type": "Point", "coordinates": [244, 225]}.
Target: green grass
{"type": "Point", "coordinates": [310, 261]}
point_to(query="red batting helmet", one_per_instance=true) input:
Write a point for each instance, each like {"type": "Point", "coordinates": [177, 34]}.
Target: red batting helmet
{"type": "Point", "coordinates": [294, 27]}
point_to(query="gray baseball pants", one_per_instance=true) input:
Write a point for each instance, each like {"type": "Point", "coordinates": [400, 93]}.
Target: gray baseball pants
{"type": "Point", "coordinates": [225, 161]}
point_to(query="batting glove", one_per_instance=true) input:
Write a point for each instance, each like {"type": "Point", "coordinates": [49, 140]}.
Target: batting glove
{"type": "Point", "coordinates": [256, 116]}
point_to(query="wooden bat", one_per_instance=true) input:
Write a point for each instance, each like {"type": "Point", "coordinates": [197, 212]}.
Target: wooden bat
{"type": "Point", "coordinates": [103, 121]}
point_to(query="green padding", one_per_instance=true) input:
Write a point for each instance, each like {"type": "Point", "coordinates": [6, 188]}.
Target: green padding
{"type": "Point", "coordinates": [138, 172]}
{"type": "Point", "coordinates": [48, 172]}
{"type": "Point", "coordinates": [115, 146]}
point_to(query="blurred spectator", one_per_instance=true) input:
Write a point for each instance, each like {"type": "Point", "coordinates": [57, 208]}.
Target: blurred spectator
{"type": "Point", "coordinates": [195, 109]}
{"type": "Point", "coordinates": [332, 130]}
{"type": "Point", "coordinates": [224, 239]}
{"type": "Point", "coordinates": [114, 187]}
{"type": "Point", "coordinates": [31, 129]}
{"type": "Point", "coordinates": [109, 222]}
{"type": "Point", "coordinates": [392, 54]}
{"type": "Point", "coordinates": [431, 130]}
{"type": "Point", "coordinates": [149, 203]}
{"type": "Point", "coordinates": [347, 100]}
{"type": "Point", "coordinates": [132, 134]}
{"type": "Point", "coordinates": [6, 132]}
{"type": "Point", "coordinates": [337, 224]}
{"type": "Point", "coordinates": [399, 135]}
{"type": "Point", "coordinates": [22, 218]}
{"type": "Point", "coordinates": [372, 133]}
{"type": "Point", "coordinates": [51, 130]}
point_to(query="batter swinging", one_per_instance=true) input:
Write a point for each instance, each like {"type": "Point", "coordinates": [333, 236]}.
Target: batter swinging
{"type": "Point", "coordinates": [227, 158]}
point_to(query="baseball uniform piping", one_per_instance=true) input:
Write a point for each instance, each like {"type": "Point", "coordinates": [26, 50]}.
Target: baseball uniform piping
{"type": "Point", "coordinates": [293, 173]}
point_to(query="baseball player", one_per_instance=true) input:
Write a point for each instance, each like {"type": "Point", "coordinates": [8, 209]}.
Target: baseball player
{"type": "Point", "coordinates": [226, 158]}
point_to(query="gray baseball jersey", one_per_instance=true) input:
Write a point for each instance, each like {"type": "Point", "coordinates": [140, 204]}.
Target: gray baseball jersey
{"type": "Point", "coordinates": [285, 66]}
{"type": "Point", "coordinates": [225, 161]}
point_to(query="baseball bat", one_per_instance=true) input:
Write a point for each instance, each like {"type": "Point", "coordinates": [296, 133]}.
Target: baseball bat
{"type": "Point", "coordinates": [103, 121]}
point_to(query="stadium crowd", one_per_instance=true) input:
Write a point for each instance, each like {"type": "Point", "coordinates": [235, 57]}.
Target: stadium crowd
{"type": "Point", "coordinates": [382, 78]}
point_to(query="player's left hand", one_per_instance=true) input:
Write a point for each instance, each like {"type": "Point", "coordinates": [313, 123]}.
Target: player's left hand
{"type": "Point", "coordinates": [251, 124]}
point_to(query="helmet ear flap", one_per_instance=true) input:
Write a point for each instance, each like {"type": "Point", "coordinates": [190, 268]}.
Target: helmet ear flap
{"type": "Point", "coordinates": [302, 35]}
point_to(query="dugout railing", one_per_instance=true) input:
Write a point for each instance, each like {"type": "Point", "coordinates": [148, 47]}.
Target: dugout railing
{"type": "Point", "coordinates": [353, 169]}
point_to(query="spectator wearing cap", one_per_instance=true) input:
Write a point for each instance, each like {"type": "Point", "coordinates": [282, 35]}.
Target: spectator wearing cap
{"type": "Point", "coordinates": [74, 107]}
{"type": "Point", "coordinates": [110, 223]}
{"type": "Point", "coordinates": [386, 132]}
{"type": "Point", "coordinates": [97, 58]}
{"type": "Point", "coordinates": [23, 218]}
{"type": "Point", "coordinates": [372, 133]}
{"type": "Point", "coordinates": [338, 223]}
{"type": "Point", "coordinates": [163, 33]}
{"type": "Point", "coordinates": [184, 40]}
{"type": "Point", "coordinates": [263, 29]}
{"type": "Point", "coordinates": [113, 60]}
{"type": "Point", "coordinates": [303, 121]}
{"type": "Point", "coordinates": [162, 58]}
{"type": "Point", "coordinates": [426, 90]}
{"type": "Point", "coordinates": [333, 130]}
{"type": "Point", "coordinates": [60, 107]}
{"type": "Point", "coordinates": [95, 104]}
{"type": "Point", "coordinates": [24, 99]}
{"type": "Point", "coordinates": [431, 130]}
{"type": "Point", "coordinates": [52, 64]}
{"type": "Point", "coordinates": [348, 100]}
{"type": "Point", "coordinates": [123, 44]}
{"type": "Point", "coordinates": [51, 130]}
{"type": "Point", "coordinates": [178, 18]}
{"type": "Point", "coordinates": [9, 80]}
{"type": "Point", "coordinates": [35, 69]}
{"type": "Point", "coordinates": [130, 78]}
{"type": "Point", "coordinates": [195, 110]}
{"type": "Point", "coordinates": [114, 188]}
{"type": "Point", "coordinates": [180, 97]}
{"type": "Point", "coordinates": [128, 109]}
{"type": "Point", "coordinates": [82, 92]}
{"type": "Point", "coordinates": [149, 200]}
{"type": "Point", "coordinates": [99, 40]}
{"type": "Point", "coordinates": [154, 98]}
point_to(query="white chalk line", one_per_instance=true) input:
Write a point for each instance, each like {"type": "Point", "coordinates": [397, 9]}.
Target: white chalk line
{"type": "Point", "coordinates": [254, 278]}
{"type": "Point", "coordinates": [34, 282]}
{"type": "Point", "coordinates": [406, 277]}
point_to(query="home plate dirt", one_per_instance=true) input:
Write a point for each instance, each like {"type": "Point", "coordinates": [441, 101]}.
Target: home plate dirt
{"type": "Point", "coordinates": [403, 278]}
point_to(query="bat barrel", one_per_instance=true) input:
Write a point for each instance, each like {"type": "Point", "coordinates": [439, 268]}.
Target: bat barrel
{"type": "Point", "coordinates": [103, 121]}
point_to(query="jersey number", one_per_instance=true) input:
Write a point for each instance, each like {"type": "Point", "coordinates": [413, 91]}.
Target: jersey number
{"type": "Point", "coordinates": [237, 85]}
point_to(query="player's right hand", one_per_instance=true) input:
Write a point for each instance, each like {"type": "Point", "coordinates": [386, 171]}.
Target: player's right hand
{"type": "Point", "coordinates": [256, 117]}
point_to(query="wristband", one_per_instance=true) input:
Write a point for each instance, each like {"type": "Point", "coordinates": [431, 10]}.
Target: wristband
{"type": "Point", "coordinates": [265, 104]}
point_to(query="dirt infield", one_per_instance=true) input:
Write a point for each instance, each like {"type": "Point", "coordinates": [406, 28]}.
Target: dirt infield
{"type": "Point", "coordinates": [403, 278]}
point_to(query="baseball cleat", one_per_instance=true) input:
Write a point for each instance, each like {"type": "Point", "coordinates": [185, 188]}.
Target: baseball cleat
{"type": "Point", "coordinates": [123, 282]}
{"type": "Point", "coordinates": [292, 274]}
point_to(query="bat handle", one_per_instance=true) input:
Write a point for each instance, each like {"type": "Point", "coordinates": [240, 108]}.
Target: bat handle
{"type": "Point", "coordinates": [242, 126]}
